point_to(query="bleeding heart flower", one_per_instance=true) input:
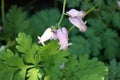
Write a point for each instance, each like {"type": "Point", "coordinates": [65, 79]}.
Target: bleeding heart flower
{"type": "Point", "coordinates": [76, 13]}
{"type": "Point", "coordinates": [78, 23]}
{"type": "Point", "coordinates": [48, 34]}
{"type": "Point", "coordinates": [62, 36]}
{"type": "Point", "coordinates": [76, 19]}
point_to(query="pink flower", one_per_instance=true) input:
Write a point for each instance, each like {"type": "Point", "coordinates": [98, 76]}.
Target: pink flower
{"type": "Point", "coordinates": [76, 13]}
{"type": "Point", "coordinates": [48, 34]}
{"type": "Point", "coordinates": [62, 36]}
{"type": "Point", "coordinates": [76, 19]}
{"type": "Point", "coordinates": [78, 23]}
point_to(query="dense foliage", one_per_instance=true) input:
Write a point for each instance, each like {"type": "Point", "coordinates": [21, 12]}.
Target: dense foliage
{"type": "Point", "coordinates": [33, 62]}
{"type": "Point", "coordinates": [93, 55]}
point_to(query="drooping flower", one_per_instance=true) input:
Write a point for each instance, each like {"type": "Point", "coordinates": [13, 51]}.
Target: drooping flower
{"type": "Point", "coordinates": [62, 36]}
{"type": "Point", "coordinates": [78, 23]}
{"type": "Point", "coordinates": [75, 17]}
{"type": "Point", "coordinates": [76, 13]}
{"type": "Point", "coordinates": [48, 34]}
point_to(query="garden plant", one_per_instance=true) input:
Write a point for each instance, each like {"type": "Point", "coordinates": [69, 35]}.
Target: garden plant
{"type": "Point", "coordinates": [79, 41]}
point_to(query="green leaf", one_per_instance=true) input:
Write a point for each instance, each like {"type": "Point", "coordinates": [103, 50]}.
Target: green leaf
{"type": "Point", "coordinates": [20, 74]}
{"type": "Point", "coordinates": [60, 58]}
{"type": "Point", "coordinates": [114, 4]}
{"type": "Point", "coordinates": [5, 54]}
{"type": "Point", "coordinates": [52, 58]}
{"type": "Point", "coordinates": [86, 5]}
{"type": "Point", "coordinates": [53, 73]}
{"type": "Point", "coordinates": [116, 20]}
{"type": "Point", "coordinates": [79, 46]}
{"type": "Point", "coordinates": [51, 48]}
{"type": "Point", "coordinates": [96, 26]}
{"type": "Point", "coordinates": [94, 41]}
{"type": "Point", "coordinates": [24, 42]}
{"type": "Point", "coordinates": [110, 43]}
{"type": "Point", "coordinates": [84, 69]}
{"type": "Point", "coordinates": [91, 69]}
{"type": "Point", "coordinates": [16, 21]}
{"type": "Point", "coordinates": [26, 47]}
{"type": "Point", "coordinates": [118, 70]}
{"type": "Point", "coordinates": [42, 20]}
{"type": "Point", "coordinates": [6, 72]}
{"type": "Point", "coordinates": [15, 61]}
{"type": "Point", "coordinates": [12, 60]}
{"type": "Point", "coordinates": [34, 74]}
{"type": "Point", "coordinates": [12, 66]}
{"type": "Point", "coordinates": [71, 64]}
{"type": "Point", "coordinates": [106, 16]}
{"type": "Point", "coordinates": [112, 69]}
{"type": "Point", "coordinates": [48, 50]}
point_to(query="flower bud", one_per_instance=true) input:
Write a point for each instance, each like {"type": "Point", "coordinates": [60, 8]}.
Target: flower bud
{"type": "Point", "coordinates": [78, 23]}
{"type": "Point", "coordinates": [48, 34]}
{"type": "Point", "coordinates": [76, 13]}
{"type": "Point", "coordinates": [75, 17]}
{"type": "Point", "coordinates": [62, 36]}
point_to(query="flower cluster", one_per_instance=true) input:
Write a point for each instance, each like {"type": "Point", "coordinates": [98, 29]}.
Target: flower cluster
{"type": "Point", "coordinates": [75, 17]}
{"type": "Point", "coordinates": [61, 34]}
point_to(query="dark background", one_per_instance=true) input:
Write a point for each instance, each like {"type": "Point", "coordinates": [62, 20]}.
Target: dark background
{"type": "Point", "coordinates": [31, 5]}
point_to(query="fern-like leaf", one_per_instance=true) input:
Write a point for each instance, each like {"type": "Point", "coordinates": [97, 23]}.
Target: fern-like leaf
{"type": "Point", "coordinates": [110, 43]}
{"type": "Point", "coordinates": [11, 66]}
{"type": "Point", "coordinates": [26, 47]}
{"type": "Point", "coordinates": [16, 22]}
{"type": "Point", "coordinates": [42, 20]}
{"type": "Point", "coordinates": [80, 46]}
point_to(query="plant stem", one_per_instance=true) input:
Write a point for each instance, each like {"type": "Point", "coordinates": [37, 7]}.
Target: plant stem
{"type": "Point", "coordinates": [91, 9]}
{"type": "Point", "coordinates": [63, 11]}
{"type": "Point", "coordinates": [71, 28]}
{"type": "Point", "coordinates": [2, 6]}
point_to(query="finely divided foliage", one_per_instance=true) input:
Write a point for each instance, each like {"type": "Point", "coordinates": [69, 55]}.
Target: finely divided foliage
{"type": "Point", "coordinates": [30, 61]}
{"type": "Point", "coordinates": [33, 62]}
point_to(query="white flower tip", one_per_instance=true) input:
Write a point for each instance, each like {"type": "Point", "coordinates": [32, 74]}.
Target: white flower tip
{"type": "Point", "coordinates": [69, 44]}
{"type": "Point", "coordinates": [85, 22]}
{"type": "Point", "coordinates": [40, 41]}
{"type": "Point", "coordinates": [83, 29]}
{"type": "Point", "coordinates": [39, 37]}
{"type": "Point", "coordinates": [63, 48]}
